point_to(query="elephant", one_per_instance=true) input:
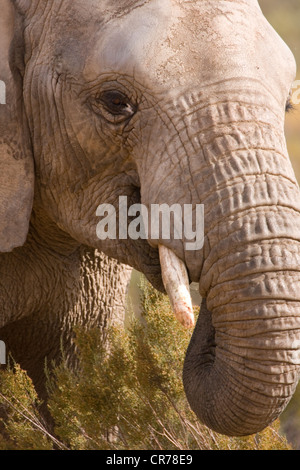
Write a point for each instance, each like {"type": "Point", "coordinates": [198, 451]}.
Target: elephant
{"type": "Point", "coordinates": [159, 102]}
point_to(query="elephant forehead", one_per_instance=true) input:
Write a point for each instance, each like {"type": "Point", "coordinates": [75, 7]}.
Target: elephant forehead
{"type": "Point", "coordinates": [175, 43]}
{"type": "Point", "coordinates": [127, 43]}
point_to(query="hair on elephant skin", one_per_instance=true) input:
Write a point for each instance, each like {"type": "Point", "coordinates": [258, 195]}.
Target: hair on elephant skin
{"type": "Point", "coordinates": [158, 102]}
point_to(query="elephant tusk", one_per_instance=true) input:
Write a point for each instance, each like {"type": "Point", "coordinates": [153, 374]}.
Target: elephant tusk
{"type": "Point", "coordinates": [176, 282]}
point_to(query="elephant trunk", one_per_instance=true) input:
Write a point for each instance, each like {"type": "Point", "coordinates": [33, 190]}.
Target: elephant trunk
{"type": "Point", "coordinates": [238, 380]}
{"type": "Point", "coordinates": [242, 364]}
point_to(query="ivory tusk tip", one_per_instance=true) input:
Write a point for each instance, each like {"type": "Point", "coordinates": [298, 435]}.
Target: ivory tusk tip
{"type": "Point", "coordinates": [185, 317]}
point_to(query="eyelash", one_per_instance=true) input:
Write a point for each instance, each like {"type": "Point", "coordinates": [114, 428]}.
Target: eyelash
{"type": "Point", "coordinates": [289, 106]}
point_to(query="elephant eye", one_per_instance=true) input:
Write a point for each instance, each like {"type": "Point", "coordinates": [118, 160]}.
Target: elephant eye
{"type": "Point", "coordinates": [115, 106]}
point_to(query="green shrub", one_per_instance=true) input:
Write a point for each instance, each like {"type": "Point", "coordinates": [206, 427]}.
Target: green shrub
{"type": "Point", "coordinates": [126, 395]}
{"type": "Point", "coordinates": [22, 427]}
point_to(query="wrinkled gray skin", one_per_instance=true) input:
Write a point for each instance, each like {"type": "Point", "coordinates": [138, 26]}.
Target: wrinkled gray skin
{"type": "Point", "coordinates": [202, 121]}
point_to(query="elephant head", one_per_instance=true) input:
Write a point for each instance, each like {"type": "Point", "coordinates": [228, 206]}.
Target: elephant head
{"type": "Point", "coordinates": [167, 102]}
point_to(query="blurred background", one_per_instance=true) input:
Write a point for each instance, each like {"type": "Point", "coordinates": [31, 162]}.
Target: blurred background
{"type": "Point", "coordinates": [285, 18]}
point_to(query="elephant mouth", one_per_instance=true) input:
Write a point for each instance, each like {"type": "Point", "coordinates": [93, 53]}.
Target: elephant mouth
{"type": "Point", "coordinates": [176, 282]}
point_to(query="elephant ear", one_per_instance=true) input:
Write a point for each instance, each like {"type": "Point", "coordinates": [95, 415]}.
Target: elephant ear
{"type": "Point", "coordinates": [16, 160]}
